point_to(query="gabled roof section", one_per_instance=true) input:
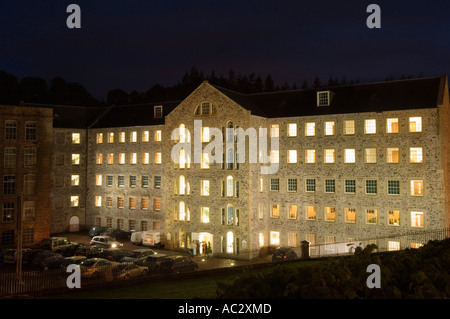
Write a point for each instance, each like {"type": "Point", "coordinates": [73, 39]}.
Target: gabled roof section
{"type": "Point", "coordinates": [358, 98]}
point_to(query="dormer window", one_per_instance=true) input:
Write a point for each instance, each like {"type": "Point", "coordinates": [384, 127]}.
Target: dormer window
{"type": "Point", "coordinates": [158, 111]}
{"type": "Point", "coordinates": [205, 108]}
{"type": "Point", "coordinates": [323, 98]}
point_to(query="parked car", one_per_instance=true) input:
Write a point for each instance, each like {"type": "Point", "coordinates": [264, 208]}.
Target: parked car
{"type": "Point", "coordinates": [96, 231]}
{"type": "Point", "coordinates": [283, 254]}
{"type": "Point", "coordinates": [105, 241]}
{"type": "Point", "coordinates": [127, 270]}
{"type": "Point", "coordinates": [152, 262]}
{"type": "Point", "coordinates": [114, 254]}
{"type": "Point", "coordinates": [3, 251]}
{"type": "Point", "coordinates": [96, 267]}
{"type": "Point", "coordinates": [136, 254]}
{"type": "Point", "coordinates": [10, 256]}
{"type": "Point", "coordinates": [117, 234]}
{"type": "Point", "coordinates": [177, 264]}
{"type": "Point", "coordinates": [52, 261]}
{"type": "Point", "coordinates": [30, 255]}
{"type": "Point", "coordinates": [72, 249]}
{"type": "Point", "coordinates": [89, 251]}
{"type": "Point", "coordinates": [55, 244]}
{"type": "Point", "coordinates": [73, 260]}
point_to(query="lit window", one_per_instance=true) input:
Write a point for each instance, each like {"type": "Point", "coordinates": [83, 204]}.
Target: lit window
{"type": "Point", "coordinates": [98, 180]}
{"type": "Point", "coordinates": [110, 137]}
{"type": "Point", "coordinates": [109, 201]}
{"type": "Point", "coordinates": [205, 214]}
{"type": "Point", "coordinates": [75, 159]}
{"type": "Point", "coordinates": [182, 185]}
{"type": "Point", "coordinates": [292, 156]}
{"type": "Point", "coordinates": [371, 187]}
{"type": "Point", "coordinates": [274, 156]}
{"type": "Point", "coordinates": [120, 202]}
{"type": "Point", "coordinates": [98, 201]}
{"type": "Point", "coordinates": [415, 155]}
{"type": "Point", "coordinates": [311, 212]}
{"type": "Point", "coordinates": [417, 188]}
{"type": "Point", "coordinates": [330, 214]}
{"type": "Point", "coordinates": [261, 185]}
{"type": "Point", "coordinates": [416, 219]}
{"type": "Point", "coordinates": [350, 215]}
{"type": "Point", "coordinates": [261, 240]}
{"type": "Point", "coordinates": [158, 158]}
{"type": "Point", "coordinates": [292, 129]}
{"type": "Point", "coordinates": [371, 155]}
{"type": "Point", "coordinates": [133, 158]}
{"type": "Point", "coordinates": [293, 210]}
{"type": "Point", "coordinates": [310, 129]}
{"type": "Point", "coordinates": [99, 138]}
{"type": "Point", "coordinates": [76, 138]}
{"type": "Point", "coordinates": [229, 185]}
{"type": "Point", "coordinates": [145, 136]}
{"type": "Point", "coordinates": [371, 216]}
{"type": "Point", "coordinates": [205, 161]}
{"type": "Point", "coordinates": [99, 159]}
{"type": "Point", "coordinates": [121, 158]}
{"type": "Point", "coordinates": [274, 238]}
{"type": "Point", "coordinates": [75, 180]}
{"type": "Point", "coordinates": [370, 126]}
{"type": "Point", "coordinates": [329, 128]}
{"type": "Point", "coordinates": [392, 125]}
{"type": "Point", "coordinates": [122, 137]}
{"type": "Point", "coordinates": [110, 158]}
{"type": "Point", "coordinates": [392, 155]}
{"type": "Point", "coordinates": [349, 127]}
{"type": "Point", "coordinates": [205, 135]}
{"type": "Point", "coordinates": [157, 204]}
{"type": "Point", "coordinates": [274, 130]}
{"type": "Point", "coordinates": [350, 155]}
{"type": "Point", "coordinates": [275, 211]}
{"type": "Point", "coordinates": [310, 156]}
{"type": "Point", "coordinates": [132, 203]}
{"type": "Point", "coordinates": [394, 218]}
{"type": "Point", "coordinates": [205, 188]}
{"type": "Point", "coordinates": [145, 158]}
{"type": "Point", "coordinates": [133, 137]}
{"type": "Point", "coordinates": [182, 211]}
{"type": "Point", "coordinates": [329, 156]}
{"type": "Point", "coordinates": [158, 136]}
{"type": "Point", "coordinates": [74, 201]}
{"type": "Point", "coordinates": [393, 245]}
{"type": "Point", "coordinates": [144, 203]}
{"type": "Point", "coordinates": [415, 124]}
{"type": "Point", "coordinates": [292, 239]}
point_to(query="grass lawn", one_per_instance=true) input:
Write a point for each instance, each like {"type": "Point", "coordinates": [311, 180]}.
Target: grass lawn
{"type": "Point", "coordinates": [203, 287]}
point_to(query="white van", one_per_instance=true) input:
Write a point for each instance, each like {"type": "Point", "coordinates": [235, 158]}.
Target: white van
{"type": "Point", "coordinates": [151, 238]}
{"type": "Point", "coordinates": [136, 238]}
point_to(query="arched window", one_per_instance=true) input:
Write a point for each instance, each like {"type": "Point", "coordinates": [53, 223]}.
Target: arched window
{"type": "Point", "coordinates": [230, 158]}
{"type": "Point", "coordinates": [230, 242]}
{"type": "Point", "coordinates": [205, 108]}
{"type": "Point", "coordinates": [182, 185]}
{"type": "Point", "coordinates": [230, 214]}
{"type": "Point", "coordinates": [230, 132]}
{"type": "Point", "coordinates": [182, 211]}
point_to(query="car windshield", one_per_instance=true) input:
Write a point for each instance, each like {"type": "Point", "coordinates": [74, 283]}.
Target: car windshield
{"type": "Point", "coordinates": [88, 263]}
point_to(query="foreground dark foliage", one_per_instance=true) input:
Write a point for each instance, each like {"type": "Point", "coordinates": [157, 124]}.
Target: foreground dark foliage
{"type": "Point", "coordinates": [411, 273]}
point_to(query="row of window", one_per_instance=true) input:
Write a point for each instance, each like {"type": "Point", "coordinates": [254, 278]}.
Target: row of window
{"type": "Point", "coordinates": [144, 224]}
{"type": "Point", "coordinates": [371, 186]}
{"type": "Point", "coordinates": [229, 215]}
{"type": "Point", "coordinates": [29, 184]}
{"type": "Point", "coordinates": [8, 236]}
{"type": "Point", "coordinates": [11, 130]}
{"type": "Point", "coordinates": [132, 180]}
{"type": "Point", "coordinates": [10, 157]}
{"type": "Point", "coordinates": [9, 211]}
{"type": "Point", "coordinates": [349, 127]}
{"type": "Point", "coordinates": [370, 215]}
{"type": "Point", "coordinates": [133, 158]}
{"type": "Point", "coordinates": [121, 137]}
{"type": "Point", "coordinates": [120, 202]}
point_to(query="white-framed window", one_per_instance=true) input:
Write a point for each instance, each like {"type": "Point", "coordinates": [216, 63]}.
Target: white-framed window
{"type": "Point", "coordinates": [292, 156]}
{"type": "Point", "coordinates": [9, 157]}
{"type": "Point", "coordinates": [417, 187]}
{"type": "Point", "coordinates": [121, 158]}
{"type": "Point", "coordinates": [292, 129]}
{"type": "Point", "coordinates": [370, 155]}
{"type": "Point", "coordinates": [329, 156]}
{"type": "Point", "coordinates": [350, 215]}
{"type": "Point", "coordinates": [76, 138]}
{"type": "Point", "coordinates": [371, 216]}
{"type": "Point", "coordinates": [392, 155]}
{"type": "Point", "coordinates": [393, 187]}
{"type": "Point", "coordinates": [205, 188]}
{"type": "Point", "coordinates": [110, 137]}
{"type": "Point", "coordinates": [274, 184]}
{"type": "Point", "coordinates": [350, 155]}
{"type": "Point", "coordinates": [310, 156]}
{"type": "Point", "coordinates": [323, 98]}
{"type": "Point", "coordinates": [291, 185]}
{"type": "Point", "coordinates": [274, 238]}
{"type": "Point", "coordinates": [98, 179]}
{"type": "Point", "coordinates": [370, 126]}
{"type": "Point", "coordinates": [371, 186]}
{"type": "Point", "coordinates": [158, 111]}
{"type": "Point", "coordinates": [329, 128]}
{"type": "Point", "coordinates": [415, 155]}
{"type": "Point", "coordinates": [274, 156]}
{"type": "Point", "coordinates": [99, 138]}
{"type": "Point", "coordinates": [274, 130]}
{"type": "Point", "coordinates": [120, 202]}
{"type": "Point", "coordinates": [275, 210]}
{"type": "Point", "coordinates": [393, 245]}
{"type": "Point", "coordinates": [330, 186]}
{"type": "Point", "coordinates": [98, 201]}
{"type": "Point", "coordinates": [350, 186]}
{"type": "Point", "coordinates": [310, 129]}
{"type": "Point", "coordinates": [349, 127]}
{"type": "Point", "coordinates": [311, 212]}
{"type": "Point", "coordinates": [415, 124]}
{"type": "Point", "coordinates": [292, 211]}
{"type": "Point", "coordinates": [330, 214]}
{"type": "Point", "coordinates": [394, 218]}
{"type": "Point", "coordinates": [10, 130]}
{"type": "Point", "coordinates": [416, 219]}
{"type": "Point", "coordinates": [30, 131]}
{"type": "Point", "coordinates": [205, 218]}
{"type": "Point", "coordinates": [133, 137]}
{"type": "Point", "coordinates": [310, 185]}
{"type": "Point", "coordinates": [292, 239]}
{"type": "Point", "coordinates": [392, 125]}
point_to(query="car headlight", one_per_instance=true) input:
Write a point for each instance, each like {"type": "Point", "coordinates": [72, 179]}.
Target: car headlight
{"type": "Point", "coordinates": [113, 245]}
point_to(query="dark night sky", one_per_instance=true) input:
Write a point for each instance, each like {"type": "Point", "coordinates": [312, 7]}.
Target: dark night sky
{"type": "Point", "coordinates": [136, 44]}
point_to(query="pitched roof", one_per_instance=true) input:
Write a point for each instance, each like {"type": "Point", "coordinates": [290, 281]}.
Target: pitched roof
{"type": "Point", "coordinates": [356, 98]}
